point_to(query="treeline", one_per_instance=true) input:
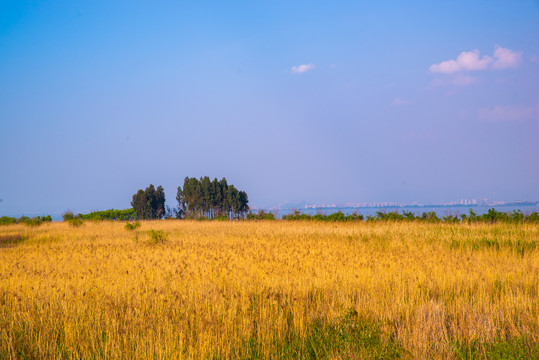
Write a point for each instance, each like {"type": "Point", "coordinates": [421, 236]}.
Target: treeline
{"type": "Point", "coordinates": [112, 214]}
{"type": "Point", "coordinates": [337, 216]}
{"type": "Point", "coordinates": [492, 216]}
{"type": "Point", "coordinates": [34, 221]}
{"type": "Point", "coordinates": [203, 198]}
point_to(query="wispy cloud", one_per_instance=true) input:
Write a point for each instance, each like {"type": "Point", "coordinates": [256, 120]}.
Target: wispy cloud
{"type": "Point", "coordinates": [464, 80]}
{"type": "Point", "coordinates": [399, 102]}
{"type": "Point", "coordinates": [509, 113]}
{"type": "Point", "coordinates": [458, 80]}
{"type": "Point", "coordinates": [300, 69]}
{"type": "Point", "coordinates": [506, 58]}
{"type": "Point", "coordinates": [472, 61]}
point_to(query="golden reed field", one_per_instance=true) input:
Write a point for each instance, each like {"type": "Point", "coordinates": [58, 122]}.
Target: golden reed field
{"type": "Point", "coordinates": [269, 290]}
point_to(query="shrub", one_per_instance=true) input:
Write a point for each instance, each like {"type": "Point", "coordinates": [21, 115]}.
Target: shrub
{"type": "Point", "coordinates": [112, 214]}
{"type": "Point", "coordinates": [130, 226]}
{"type": "Point", "coordinates": [430, 216]}
{"type": "Point", "coordinates": [408, 215]}
{"type": "Point", "coordinates": [75, 222]}
{"type": "Point", "coordinates": [450, 218]}
{"type": "Point", "coordinates": [157, 236]}
{"type": "Point", "coordinates": [23, 220]}
{"type": "Point", "coordinates": [533, 217]}
{"type": "Point", "coordinates": [261, 215]}
{"type": "Point", "coordinates": [68, 215]}
{"type": "Point", "coordinates": [6, 220]}
{"type": "Point", "coordinates": [517, 216]}
{"type": "Point", "coordinates": [355, 217]}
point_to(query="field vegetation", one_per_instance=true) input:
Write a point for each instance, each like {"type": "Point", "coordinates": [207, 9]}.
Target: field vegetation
{"type": "Point", "coordinates": [269, 289]}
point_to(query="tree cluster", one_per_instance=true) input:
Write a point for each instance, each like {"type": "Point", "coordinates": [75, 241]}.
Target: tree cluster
{"type": "Point", "coordinates": [492, 216]}
{"type": "Point", "coordinates": [112, 214]}
{"type": "Point", "coordinates": [203, 198]}
{"type": "Point", "coordinates": [35, 221]}
{"type": "Point", "coordinates": [149, 203]}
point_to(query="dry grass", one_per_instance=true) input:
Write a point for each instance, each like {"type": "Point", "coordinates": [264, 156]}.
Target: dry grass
{"type": "Point", "coordinates": [269, 290]}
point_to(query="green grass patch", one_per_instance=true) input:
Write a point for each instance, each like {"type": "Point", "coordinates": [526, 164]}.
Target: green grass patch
{"type": "Point", "coordinates": [520, 247]}
{"type": "Point", "coordinates": [157, 236]}
{"type": "Point", "coordinates": [132, 226]}
{"type": "Point", "coordinates": [351, 337]}
{"type": "Point", "coordinates": [519, 348]}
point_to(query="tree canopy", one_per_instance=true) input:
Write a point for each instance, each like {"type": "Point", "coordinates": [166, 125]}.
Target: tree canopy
{"type": "Point", "coordinates": [149, 203]}
{"type": "Point", "coordinates": [205, 198]}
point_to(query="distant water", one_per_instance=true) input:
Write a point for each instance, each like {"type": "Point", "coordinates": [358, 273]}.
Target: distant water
{"type": "Point", "coordinates": [371, 211]}
{"type": "Point", "coordinates": [417, 210]}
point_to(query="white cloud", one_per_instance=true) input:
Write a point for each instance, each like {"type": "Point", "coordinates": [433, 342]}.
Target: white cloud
{"type": "Point", "coordinates": [509, 113]}
{"type": "Point", "coordinates": [471, 60]}
{"type": "Point", "coordinates": [467, 60]}
{"type": "Point", "coordinates": [299, 69]}
{"type": "Point", "coordinates": [399, 102]}
{"type": "Point", "coordinates": [506, 58]}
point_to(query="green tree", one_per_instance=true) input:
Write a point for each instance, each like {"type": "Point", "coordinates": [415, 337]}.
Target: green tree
{"type": "Point", "coordinates": [160, 209]}
{"type": "Point", "coordinates": [202, 197]}
{"type": "Point", "coordinates": [217, 197]}
{"type": "Point", "coordinates": [243, 203]}
{"type": "Point", "coordinates": [182, 206]}
{"type": "Point", "coordinates": [139, 204]}
{"type": "Point", "coordinates": [149, 203]}
{"type": "Point", "coordinates": [205, 185]}
{"type": "Point", "coordinates": [233, 201]}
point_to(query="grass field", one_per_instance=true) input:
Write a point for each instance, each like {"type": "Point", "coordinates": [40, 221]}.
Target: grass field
{"type": "Point", "coordinates": [270, 289]}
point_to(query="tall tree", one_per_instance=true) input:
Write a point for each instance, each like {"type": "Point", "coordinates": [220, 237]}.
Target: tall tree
{"type": "Point", "coordinates": [160, 202]}
{"type": "Point", "coordinates": [243, 203]}
{"type": "Point", "coordinates": [225, 208]}
{"type": "Point", "coordinates": [139, 204]}
{"type": "Point", "coordinates": [182, 206]}
{"type": "Point", "coordinates": [233, 202]}
{"type": "Point", "coordinates": [205, 185]}
{"type": "Point", "coordinates": [216, 197]}
{"type": "Point", "coordinates": [202, 197]}
{"type": "Point", "coordinates": [149, 203]}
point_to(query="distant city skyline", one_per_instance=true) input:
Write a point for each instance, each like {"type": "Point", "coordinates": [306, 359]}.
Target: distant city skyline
{"type": "Point", "coordinates": [382, 204]}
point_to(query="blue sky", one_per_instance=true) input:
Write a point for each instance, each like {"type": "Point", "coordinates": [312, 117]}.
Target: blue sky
{"type": "Point", "coordinates": [289, 100]}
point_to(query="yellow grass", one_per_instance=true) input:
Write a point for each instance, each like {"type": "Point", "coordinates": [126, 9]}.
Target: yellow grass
{"type": "Point", "coordinates": [258, 289]}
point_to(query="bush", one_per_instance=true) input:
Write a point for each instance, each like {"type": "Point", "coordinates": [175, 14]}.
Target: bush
{"type": "Point", "coordinates": [23, 220]}
{"type": "Point", "coordinates": [6, 220]}
{"type": "Point", "coordinates": [68, 215]}
{"type": "Point", "coordinates": [112, 214]}
{"type": "Point", "coordinates": [335, 217]}
{"type": "Point", "coordinates": [450, 218]}
{"type": "Point", "coordinates": [130, 226]}
{"type": "Point", "coordinates": [261, 215]}
{"type": "Point", "coordinates": [157, 236]}
{"type": "Point", "coordinates": [430, 217]}
{"type": "Point", "coordinates": [533, 217]}
{"type": "Point", "coordinates": [75, 222]}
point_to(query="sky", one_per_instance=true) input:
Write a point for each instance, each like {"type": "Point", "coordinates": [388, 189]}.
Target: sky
{"type": "Point", "coordinates": [325, 102]}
